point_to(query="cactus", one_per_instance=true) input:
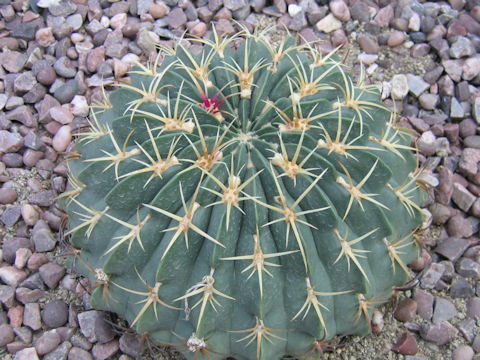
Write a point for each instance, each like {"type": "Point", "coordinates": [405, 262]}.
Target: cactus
{"type": "Point", "coordinates": [248, 203]}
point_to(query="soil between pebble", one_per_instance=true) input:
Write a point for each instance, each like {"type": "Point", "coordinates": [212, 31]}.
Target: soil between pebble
{"type": "Point", "coordinates": [54, 64]}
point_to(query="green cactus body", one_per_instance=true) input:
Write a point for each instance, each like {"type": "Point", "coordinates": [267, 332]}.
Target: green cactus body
{"type": "Point", "coordinates": [247, 203]}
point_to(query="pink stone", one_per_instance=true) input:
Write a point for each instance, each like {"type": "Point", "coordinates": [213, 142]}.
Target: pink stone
{"type": "Point", "coordinates": [396, 38]}
{"type": "Point", "coordinates": [340, 10]}
{"type": "Point", "coordinates": [12, 276]}
{"type": "Point", "coordinates": [21, 257]}
{"type": "Point", "coordinates": [45, 36]}
{"type": "Point", "coordinates": [199, 29]}
{"type": "Point", "coordinates": [406, 345]}
{"type": "Point", "coordinates": [61, 114]}
{"type": "Point", "coordinates": [62, 138]}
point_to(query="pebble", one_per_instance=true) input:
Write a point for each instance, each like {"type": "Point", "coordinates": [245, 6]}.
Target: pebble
{"type": "Point", "coordinates": [44, 36]}
{"type": "Point", "coordinates": [130, 344]}
{"type": "Point", "coordinates": [12, 276]}
{"type": "Point", "coordinates": [399, 87]}
{"type": "Point", "coordinates": [463, 198]}
{"type": "Point", "coordinates": [95, 57]}
{"type": "Point", "coordinates": [64, 67]}
{"type": "Point", "coordinates": [7, 195]}
{"type": "Point", "coordinates": [452, 248]}
{"type": "Point", "coordinates": [10, 142]}
{"type": "Point", "coordinates": [13, 61]}
{"type": "Point", "coordinates": [51, 274]}
{"type": "Point", "coordinates": [62, 138]}
{"type": "Point", "coordinates": [79, 105]}
{"type": "Point", "coordinates": [462, 47]}
{"type": "Point", "coordinates": [471, 68]}
{"type": "Point", "coordinates": [47, 342]}
{"type": "Point", "coordinates": [406, 345]}
{"type": "Point", "coordinates": [406, 310]}
{"type": "Point", "coordinates": [429, 101]}
{"type": "Point", "coordinates": [444, 310]}
{"type": "Point", "coordinates": [55, 313]}
{"type": "Point", "coordinates": [103, 330]}
{"type": "Point", "coordinates": [463, 352]}
{"type": "Point", "coordinates": [21, 257]}
{"type": "Point", "coordinates": [66, 92]}
{"type": "Point", "coordinates": [468, 268]}
{"type": "Point", "coordinates": [369, 45]}
{"type": "Point", "coordinates": [328, 24]}
{"type": "Point", "coordinates": [26, 296]}
{"type": "Point", "coordinates": [433, 274]}
{"type": "Point", "coordinates": [340, 10]}
{"type": "Point", "coordinates": [87, 321]}
{"type": "Point", "coordinates": [76, 353]}
{"type": "Point", "coordinates": [396, 38]}
{"type": "Point", "coordinates": [60, 352]}
{"type": "Point", "coordinates": [26, 354]}
{"type": "Point", "coordinates": [6, 334]}
{"type": "Point", "coordinates": [42, 237]}
{"type": "Point", "coordinates": [7, 295]}
{"type": "Point", "coordinates": [416, 85]}
{"type": "Point", "coordinates": [36, 261]}
{"type": "Point", "coordinates": [16, 316]}
{"type": "Point", "coordinates": [105, 351]}
{"type": "Point", "coordinates": [176, 18]}
{"type": "Point", "coordinates": [440, 333]}
{"type": "Point", "coordinates": [31, 316]}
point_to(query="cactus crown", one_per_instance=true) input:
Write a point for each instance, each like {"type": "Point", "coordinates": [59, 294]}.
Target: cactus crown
{"type": "Point", "coordinates": [247, 202]}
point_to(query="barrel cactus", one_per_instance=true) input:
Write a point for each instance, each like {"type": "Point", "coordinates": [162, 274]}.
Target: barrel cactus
{"type": "Point", "coordinates": [247, 202]}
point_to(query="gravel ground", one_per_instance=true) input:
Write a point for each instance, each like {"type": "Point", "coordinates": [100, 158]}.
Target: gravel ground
{"type": "Point", "coordinates": [57, 58]}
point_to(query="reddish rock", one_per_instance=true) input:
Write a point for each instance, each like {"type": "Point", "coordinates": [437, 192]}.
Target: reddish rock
{"type": "Point", "coordinates": [422, 262]}
{"type": "Point", "coordinates": [340, 10]}
{"type": "Point", "coordinates": [31, 316]}
{"type": "Point", "coordinates": [15, 315]}
{"type": "Point", "coordinates": [400, 24]}
{"type": "Point", "coordinates": [176, 18]}
{"type": "Point", "coordinates": [224, 27]}
{"type": "Point", "coordinates": [12, 276]}
{"type": "Point", "coordinates": [158, 10]}
{"type": "Point", "coordinates": [368, 45]}
{"type": "Point", "coordinates": [95, 57]}
{"type": "Point", "coordinates": [51, 274]}
{"type": "Point", "coordinates": [36, 261]}
{"type": "Point", "coordinates": [384, 16]}
{"type": "Point", "coordinates": [199, 29]}
{"type": "Point", "coordinates": [406, 345]}
{"type": "Point", "coordinates": [406, 310]}
{"type": "Point", "coordinates": [338, 38]}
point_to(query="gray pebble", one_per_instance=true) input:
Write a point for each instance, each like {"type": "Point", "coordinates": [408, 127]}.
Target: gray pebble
{"type": "Point", "coordinates": [55, 313]}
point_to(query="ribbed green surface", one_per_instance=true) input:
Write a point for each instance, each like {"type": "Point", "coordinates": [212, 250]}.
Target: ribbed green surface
{"type": "Point", "coordinates": [341, 137]}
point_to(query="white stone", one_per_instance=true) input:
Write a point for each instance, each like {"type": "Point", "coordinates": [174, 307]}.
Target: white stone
{"type": "Point", "coordinates": [367, 59]}
{"type": "Point", "coordinates": [105, 21]}
{"type": "Point", "coordinates": [328, 24]}
{"type": "Point", "coordinates": [399, 87]}
{"type": "Point", "coordinates": [294, 9]}
{"type": "Point", "coordinates": [118, 21]}
{"type": "Point", "coordinates": [414, 22]}
{"type": "Point", "coordinates": [476, 110]}
{"type": "Point", "coordinates": [79, 106]}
